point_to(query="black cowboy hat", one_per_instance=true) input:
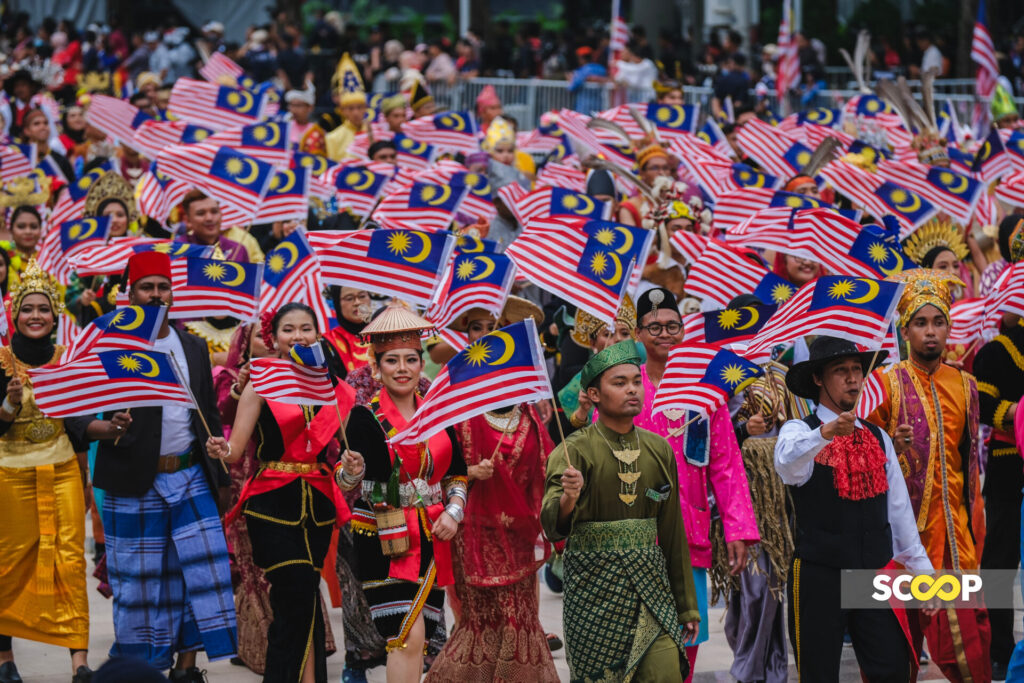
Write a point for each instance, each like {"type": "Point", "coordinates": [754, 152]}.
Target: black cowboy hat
{"type": "Point", "coordinates": [21, 75]}
{"type": "Point", "coordinates": [800, 378]}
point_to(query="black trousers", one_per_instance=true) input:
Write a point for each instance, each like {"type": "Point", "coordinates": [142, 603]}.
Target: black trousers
{"type": "Point", "coordinates": [1004, 478]}
{"type": "Point", "coordinates": [817, 625]}
{"type": "Point", "coordinates": [291, 555]}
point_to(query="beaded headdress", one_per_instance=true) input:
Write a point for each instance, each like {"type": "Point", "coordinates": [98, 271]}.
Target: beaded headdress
{"type": "Point", "coordinates": [34, 280]}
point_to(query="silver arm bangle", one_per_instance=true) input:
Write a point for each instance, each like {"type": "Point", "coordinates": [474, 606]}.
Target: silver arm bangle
{"type": "Point", "coordinates": [347, 481]}
{"type": "Point", "coordinates": [458, 492]}
{"type": "Point", "coordinates": [456, 512]}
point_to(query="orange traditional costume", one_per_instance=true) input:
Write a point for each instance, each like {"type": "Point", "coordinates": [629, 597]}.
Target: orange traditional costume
{"type": "Point", "coordinates": [942, 471]}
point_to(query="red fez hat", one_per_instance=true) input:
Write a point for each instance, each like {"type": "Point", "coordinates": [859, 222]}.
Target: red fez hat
{"type": "Point", "coordinates": [147, 263]}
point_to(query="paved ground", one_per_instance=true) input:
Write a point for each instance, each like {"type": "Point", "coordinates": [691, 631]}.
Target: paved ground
{"type": "Point", "coordinates": [46, 664]}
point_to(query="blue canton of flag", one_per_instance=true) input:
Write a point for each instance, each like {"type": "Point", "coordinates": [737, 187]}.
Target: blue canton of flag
{"type": "Point", "coordinates": [905, 202]}
{"type": "Point", "coordinates": [961, 186]}
{"type": "Point", "coordinates": [139, 119]}
{"type": "Point", "coordinates": [559, 151]}
{"type": "Point", "coordinates": [241, 171]}
{"type": "Point", "coordinates": [630, 242]}
{"type": "Point", "coordinates": [309, 356]}
{"type": "Point", "coordinates": [151, 366]}
{"type": "Point", "coordinates": [497, 353]}
{"type": "Point", "coordinates": [773, 289]}
{"type": "Point", "coordinates": [360, 180]}
{"type": "Point", "coordinates": [603, 266]}
{"type": "Point", "coordinates": [819, 115]}
{"type": "Point", "coordinates": [732, 324]}
{"type": "Point", "coordinates": [469, 270]}
{"type": "Point", "coordinates": [316, 163]}
{"type": "Point", "coordinates": [1015, 145]}
{"type": "Point", "coordinates": [568, 203]}
{"type": "Point", "coordinates": [239, 101]}
{"type": "Point", "coordinates": [227, 275]}
{"type": "Point", "coordinates": [176, 250]}
{"type": "Point", "coordinates": [990, 160]}
{"type": "Point", "coordinates": [193, 134]}
{"type": "Point", "coordinates": [711, 133]}
{"type": "Point", "coordinates": [73, 233]}
{"type": "Point", "coordinates": [477, 183]}
{"type": "Point", "coordinates": [436, 197]}
{"type": "Point", "coordinates": [269, 135]}
{"type": "Point", "coordinates": [872, 154]}
{"type": "Point", "coordinates": [131, 327]}
{"type": "Point", "coordinates": [875, 297]}
{"type": "Point", "coordinates": [872, 105]}
{"type": "Point", "coordinates": [458, 121]}
{"type": "Point", "coordinates": [797, 156]}
{"type": "Point", "coordinates": [414, 249]}
{"type": "Point", "coordinates": [884, 256]}
{"type": "Point", "coordinates": [288, 255]}
{"type": "Point", "coordinates": [79, 188]}
{"type": "Point", "coordinates": [673, 117]}
{"type": "Point", "coordinates": [470, 244]}
{"type": "Point", "coordinates": [745, 176]}
{"type": "Point", "coordinates": [797, 201]}
{"type": "Point", "coordinates": [407, 145]}
{"type": "Point", "coordinates": [730, 373]}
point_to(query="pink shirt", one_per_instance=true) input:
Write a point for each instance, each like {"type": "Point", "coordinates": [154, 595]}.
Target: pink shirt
{"type": "Point", "coordinates": [724, 472]}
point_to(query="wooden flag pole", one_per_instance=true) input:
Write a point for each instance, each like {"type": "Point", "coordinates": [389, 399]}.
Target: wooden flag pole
{"type": "Point", "coordinates": [860, 391]}
{"type": "Point", "coordinates": [195, 404]}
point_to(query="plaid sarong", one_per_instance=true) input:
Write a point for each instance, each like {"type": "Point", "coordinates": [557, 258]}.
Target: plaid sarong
{"type": "Point", "coordinates": [617, 598]}
{"type": "Point", "coordinates": [168, 565]}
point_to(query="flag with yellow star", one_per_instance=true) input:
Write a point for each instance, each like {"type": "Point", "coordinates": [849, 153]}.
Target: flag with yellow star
{"type": "Point", "coordinates": [701, 378]}
{"type": "Point", "coordinates": [204, 287]}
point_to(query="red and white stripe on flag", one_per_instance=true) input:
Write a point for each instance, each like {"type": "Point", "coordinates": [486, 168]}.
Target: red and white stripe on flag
{"type": "Point", "coordinates": [554, 174]}
{"type": "Point", "coordinates": [733, 208]}
{"type": "Point", "coordinates": [767, 145]}
{"type": "Point", "coordinates": [968, 321]}
{"type": "Point", "coordinates": [67, 331]}
{"type": "Point", "coordinates": [706, 280]}
{"type": "Point", "coordinates": [682, 387]}
{"type": "Point", "coordinates": [914, 176]}
{"type": "Point", "coordinates": [872, 394]}
{"type": "Point", "coordinates": [280, 379]}
{"type": "Point", "coordinates": [574, 125]}
{"type": "Point", "coordinates": [788, 71]}
{"type": "Point", "coordinates": [194, 164]}
{"type": "Point", "coordinates": [983, 53]}
{"type": "Point", "coordinates": [107, 259]}
{"type": "Point", "coordinates": [1011, 189]}
{"type": "Point", "coordinates": [192, 301]}
{"type": "Point", "coordinates": [14, 164]}
{"type": "Point", "coordinates": [690, 245]}
{"type": "Point", "coordinates": [115, 118]}
{"type": "Point", "coordinates": [221, 70]}
{"type": "Point", "coordinates": [860, 185]}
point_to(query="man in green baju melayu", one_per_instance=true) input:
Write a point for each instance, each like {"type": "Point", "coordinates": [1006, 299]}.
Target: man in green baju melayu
{"type": "Point", "coordinates": [612, 492]}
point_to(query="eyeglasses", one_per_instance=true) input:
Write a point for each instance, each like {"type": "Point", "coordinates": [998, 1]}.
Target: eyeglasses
{"type": "Point", "coordinates": [655, 329]}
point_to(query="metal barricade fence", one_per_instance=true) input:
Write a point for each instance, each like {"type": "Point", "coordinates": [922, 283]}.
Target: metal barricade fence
{"type": "Point", "coordinates": [527, 99]}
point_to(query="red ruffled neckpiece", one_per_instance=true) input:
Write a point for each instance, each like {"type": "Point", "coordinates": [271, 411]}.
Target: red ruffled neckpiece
{"type": "Point", "coordinates": [858, 465]}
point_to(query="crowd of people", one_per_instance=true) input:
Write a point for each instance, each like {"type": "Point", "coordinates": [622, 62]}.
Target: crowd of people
{"type": "Point", "coordinates": [219, 522]}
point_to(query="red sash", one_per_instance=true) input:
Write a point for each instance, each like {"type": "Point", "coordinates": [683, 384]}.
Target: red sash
{"type": "Point", "coordinates": [435, 455]}
{"type": "Point", "coordinates": [303, 442]}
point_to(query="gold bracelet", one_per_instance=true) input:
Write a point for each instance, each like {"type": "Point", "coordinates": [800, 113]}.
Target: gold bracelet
{"type": "Point", "coordinates": [577, 424]}
{"type": "Point", "coordinates": [235, 392]}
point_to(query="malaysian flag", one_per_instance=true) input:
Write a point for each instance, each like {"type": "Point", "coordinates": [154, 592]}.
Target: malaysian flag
{"type": "Point", "coordinates": [726, 326]}
{"type": "Point", "coordinates": [991, 162]}
{"type": "Point", "coordinates": [955, 193]}
{"type": "Point", "coordinates": [205, 287]}
{"type": "Point", "coordinates": [111, 258]}
{"type": "Point", "coordinates": [774, 151]}
{"type": "Point", "coordinates": [855, 309]}
{"type": "Point", "coordinates": [586, 140]}
{"type": "Point", "coordinates": [877, 248]}
{"type": "Point", "coordinates": [967, 321]}
{"type": "Point", "coordinates": [701, 378]}
{"type": "Point", "coordinates": [712, 134]}
{"type": "Point", "coordinates": [872, 394]}
{"type": "Point", "coordinates": [404, 263]}
{"type": "Point", "coordinates": [236, 180]}
{"type": "Point", "coordinates": [412, 154]}
{"type": "Point", "coordinates": [788, 70]}
{"type": "Point", "coordinates": [630, 242]}
{"type": "Point", "coordinates": [267, 141]}
{"type": "Point", "coordinates": [453, 131]}
{"type": "Point", "coordinates": [820, 116]}
{"type": "Point", "coordinates": [690, 245]}
{"type": "Point", "coordinates": [556, 201]}
{"type": "Point", "coordinates": [554, 174]}
{"type": "Point", "coordinates": [478, 202]}
{"type": "Point", "coordinates": [424, 205]}
{"type": "Point", "coordinates": [123, 329]}
{"type": "Point", "coordinates": [1007, 295]}
{"type": "Point", "coordinates": [221, 70]}
{"type": "Point", "coordinates": [705, 279]}
{"type": "Point", "coordinates": [68, 240]}
{"type": "Point", "coordinates": [560, 257]}
{"type": "Point", "coordinates": [983, 53]}
{"type": "Point", "coordinates": [16, 161]}
{"type": "Point", "coordinates": [473, 280]}
{"type": "Point", "coordinates": [542, 139]}
{"type": "Point", "coordinates": [109, 380]}
{"type": "Point", "coordinates": [216, 106]}
{"type": "Point", "coordinates": [158, 194]}
{"type": "Point", "coordinates": [673, 120]}
{"type": "Point", "coordinates": [619, 30]}
{"type": "Point", "coordinates": [503, 368]}
{"type": "Point", "coordinates": [287, 197]}
{"type": "Point", "coordinates": [292, 273]}
{"type": "Point", "coordinates": [1010, 190]}
{"type": "Point", "coordinates": [285, 381]}
{"type": "Point", "coordinates": [880, 197]}
{"type": "Point", "coordinates": [317, 164]}
{"type": "Point", "coordinates": [153, 137]}
{"type": "Point", "coordinates": [71, 204]}
{"type": "Point", "coordinates": [357, 188]}
{"type": "Point", "coordinates": [733, 208]}
{"type": "Point", "coordinates": [67, 332]}
{"type": "Point", "coordinates": [117, 118]}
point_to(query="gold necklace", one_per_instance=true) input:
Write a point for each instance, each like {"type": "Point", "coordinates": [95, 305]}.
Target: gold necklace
{"type": "Point", "coordinates": [629, 475]}
{"type": "Point", "coordinates": [503, 423]}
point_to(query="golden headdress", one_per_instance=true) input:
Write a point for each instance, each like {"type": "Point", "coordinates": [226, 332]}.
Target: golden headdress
{"type": "Point", "coordinates": [32, 189]}
{"type": "Point", "coordinates": [586, 326]}
{"type": "Point", "coordinates": [34, 280]}
{"type": "Point", "coordinates": [935, 233]}
{"type": "Point", "coordinates": [419, 96]}
{"type": "Point", "coordinates": [500, 132]}
{"type": "Point", "coordinates": [925, 286]}
{"type": "Point", "coordinates": [395, 327]}
{"type": "Point", "coordinates": [111, 186]}
{"type": "Point", "coordinates": [348, 83]}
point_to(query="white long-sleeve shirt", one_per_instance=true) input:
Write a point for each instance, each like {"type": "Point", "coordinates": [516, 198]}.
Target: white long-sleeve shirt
{"type": "Point", "coordinates": [795, 450]}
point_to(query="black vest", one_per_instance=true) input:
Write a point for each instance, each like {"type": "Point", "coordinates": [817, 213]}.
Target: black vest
{"type": "Point", "coordinates": [835, 532]}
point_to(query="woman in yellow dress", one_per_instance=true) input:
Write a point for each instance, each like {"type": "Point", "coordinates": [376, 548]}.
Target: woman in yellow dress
{"type": "Point", "coordinates": [42, 541]}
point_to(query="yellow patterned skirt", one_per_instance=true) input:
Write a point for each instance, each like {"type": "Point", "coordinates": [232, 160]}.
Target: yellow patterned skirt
{"type": "Point", "coordinates": [42, 555]}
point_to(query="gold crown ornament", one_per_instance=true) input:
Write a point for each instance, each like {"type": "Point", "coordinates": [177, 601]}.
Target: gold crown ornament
{"type": "Point", "coordinates": [936, 233]}
{"type": "Point", "coordinates": [33, 190]}
{"type": "Point", "coordinates": [35, 280]}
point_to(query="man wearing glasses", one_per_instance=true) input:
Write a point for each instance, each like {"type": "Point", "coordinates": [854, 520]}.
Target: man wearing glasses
{"type": "Point", "coordinates": [707, 455]}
